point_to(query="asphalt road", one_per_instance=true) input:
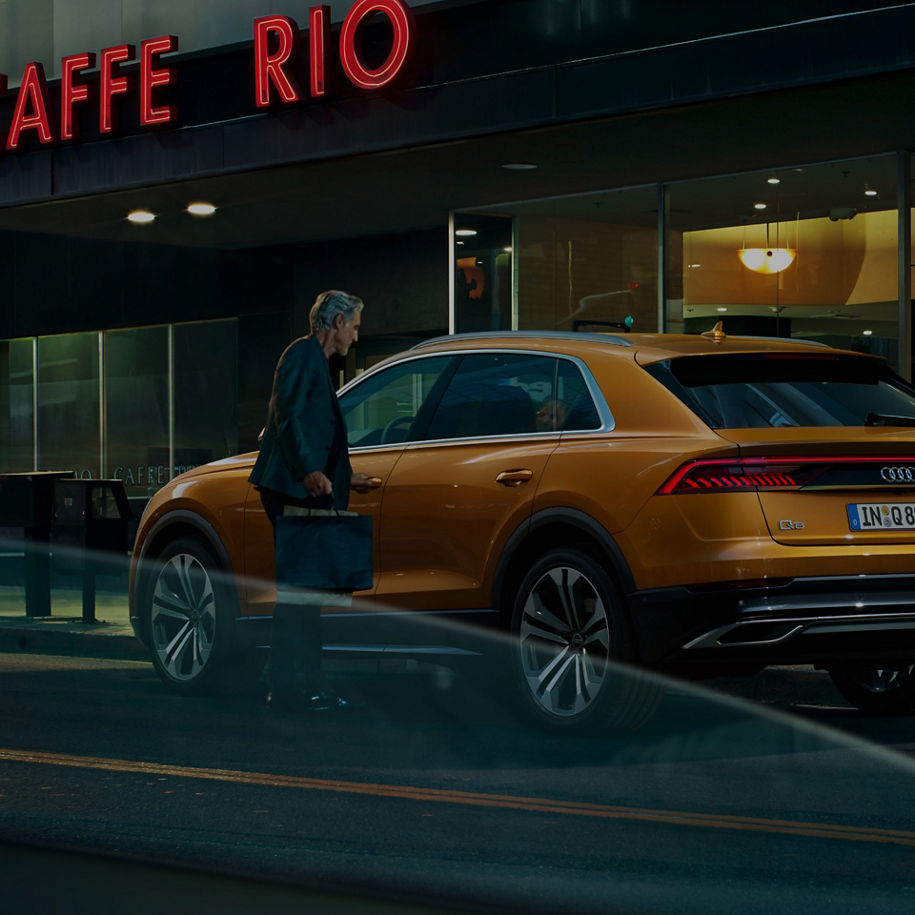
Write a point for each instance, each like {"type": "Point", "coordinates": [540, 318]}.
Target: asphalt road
{"type": "Point", "coordinates": [431, 791]}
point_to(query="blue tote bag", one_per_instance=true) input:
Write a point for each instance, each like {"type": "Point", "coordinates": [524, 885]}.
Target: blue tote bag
{"type": "Point", "coordinates": [323, 550]}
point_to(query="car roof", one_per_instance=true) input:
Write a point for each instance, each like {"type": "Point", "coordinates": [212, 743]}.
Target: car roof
{"type": "Point", "coordinates": [645, 348]}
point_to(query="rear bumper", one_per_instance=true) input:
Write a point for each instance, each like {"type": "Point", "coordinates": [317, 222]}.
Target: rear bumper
{"type": "Point", "coordinates": [805, 621]}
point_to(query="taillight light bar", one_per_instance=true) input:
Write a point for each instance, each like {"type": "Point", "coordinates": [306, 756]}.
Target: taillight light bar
{"type": "Point", "coordinates": [757, 474]}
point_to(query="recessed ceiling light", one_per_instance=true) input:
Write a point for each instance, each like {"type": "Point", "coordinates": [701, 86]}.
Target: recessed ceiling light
{"type": "Point", "coordinates": [466, 233]}
{"type": "Point", "coordinates": [141, 217]}
{"type": "Point", "coordinates": [519, 166]}
{"type": "Point", "coordinates": [870, 192]}
{"type": "Point", "coordinates": [507, 249]}
{"type": "Point", "coordinates": [693, 266]}
{"type": "Point", "coordinates": [722, 309]}
{"type": "Point", "coordinates": [759, 206]}
{"type": "Point", "coordinates": [774, 180]}
{"type": "Point", "coordinates": [201, 208]}
{"type": "Point", "coordinates": [867, 333]}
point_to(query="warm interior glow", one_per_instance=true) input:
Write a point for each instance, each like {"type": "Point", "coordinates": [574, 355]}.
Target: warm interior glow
{"type": "Point", "coordinates": [767, 260]}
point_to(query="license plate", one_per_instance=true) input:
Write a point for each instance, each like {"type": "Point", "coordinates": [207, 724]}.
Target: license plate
{"type": "Point", "coordinates": [872, 516]}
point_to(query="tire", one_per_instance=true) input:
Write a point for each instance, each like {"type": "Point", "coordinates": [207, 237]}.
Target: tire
{"type": "Point", "coordinates": [568, 635]}
{"type": "Point", "coordinates": [877, 690]}
{"type": "Point", "coordinates": [188, 616]}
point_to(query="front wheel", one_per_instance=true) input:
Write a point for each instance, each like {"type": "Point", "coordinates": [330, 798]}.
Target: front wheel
{"type": "Point", "coordinates": [568, 635]}
{"type": "Point", "coordinates": [877, 690]}
{"type": "Point", "coordinates": [188, 612]}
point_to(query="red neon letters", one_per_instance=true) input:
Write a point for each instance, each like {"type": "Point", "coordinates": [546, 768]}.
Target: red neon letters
{"type": "Point", "coordinates": [276, 64]}
{"type": "Point", "coordinates": [275, 47]}
{"type": "Point", "coordinates": [32, 111]}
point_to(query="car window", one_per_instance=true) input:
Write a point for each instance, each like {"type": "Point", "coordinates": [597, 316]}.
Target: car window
{"type": "Point", "coordinates": [382, 409]}
{"type": "Point", "coordinates": [512, 394]}
{"type": "Point", "coordinates": [732, 391]}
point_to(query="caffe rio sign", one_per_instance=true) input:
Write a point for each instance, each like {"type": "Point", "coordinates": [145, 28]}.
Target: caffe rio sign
{"type": "Point", "coordinates": [284, 73]}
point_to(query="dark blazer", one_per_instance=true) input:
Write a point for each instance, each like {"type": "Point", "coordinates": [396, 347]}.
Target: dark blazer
{"type": "Point", "coordinates": [305, 429]}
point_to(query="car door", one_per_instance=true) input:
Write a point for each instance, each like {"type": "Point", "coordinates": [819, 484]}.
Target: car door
{"type": "Point", "coordinates": [468, 481]}
{"type": "Point", "coordinates": [379, 410]}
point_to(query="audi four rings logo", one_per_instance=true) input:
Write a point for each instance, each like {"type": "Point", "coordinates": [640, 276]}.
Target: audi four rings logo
{"type": "Point", "coordinates": [897, 474]}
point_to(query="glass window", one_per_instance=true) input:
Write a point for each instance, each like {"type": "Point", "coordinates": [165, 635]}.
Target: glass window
{"type": "Point", "coordinates": [382, 409]}
{"type": "Point", "coordinates": [136, 389]}
{"type": "Point", "coordinates": [583, 262]}
{"type": "Point", "coordinates": [792, 252]}
{"type": "Point", "coordinates": [740, 391]}
{"type": "Point", "coordinates": [482, 275]}
{"type": "Point", "coordinates": [16, 407]}
{"type": "Point", "coordinates": [68, 404]}
{"type": "Point", "coordinates": [206, 393]}
{"type": "Point", "coordinates": [512, 394]}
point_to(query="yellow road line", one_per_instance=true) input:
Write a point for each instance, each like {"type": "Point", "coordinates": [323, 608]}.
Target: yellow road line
{"type": "Point", "coordinates": [468, 798]}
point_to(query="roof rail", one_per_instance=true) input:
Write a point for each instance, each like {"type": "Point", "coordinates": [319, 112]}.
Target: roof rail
{"type": "Point", "coordinates": [613, 339]}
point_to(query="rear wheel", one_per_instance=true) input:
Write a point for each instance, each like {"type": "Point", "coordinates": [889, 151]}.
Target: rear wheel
{"type": "Point", "coordinates": [569, 632]}
{"type": "Point", "coordinates": [877, 690]}
{"type": "Point", "coordinates": [189, 610]}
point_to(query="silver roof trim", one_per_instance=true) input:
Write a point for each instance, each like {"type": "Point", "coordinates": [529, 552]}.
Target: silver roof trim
{"type": "Point", "coordinates": [496, 335]}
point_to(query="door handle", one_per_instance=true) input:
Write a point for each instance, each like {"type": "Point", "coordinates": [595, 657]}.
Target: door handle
{"type": "Point", "coordinates": [514, 477]}
{"type": "Point", "coordinates": [375, 482]}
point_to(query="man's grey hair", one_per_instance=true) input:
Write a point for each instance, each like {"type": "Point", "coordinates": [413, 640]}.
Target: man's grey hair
{"type": "Point", "coordinates": [330, 304]}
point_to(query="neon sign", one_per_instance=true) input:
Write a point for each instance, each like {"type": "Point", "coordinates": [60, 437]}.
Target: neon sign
{"type": "Point", "coordinates": [276, 51]}
{"type": "Point", "coordinates": [279, 74]}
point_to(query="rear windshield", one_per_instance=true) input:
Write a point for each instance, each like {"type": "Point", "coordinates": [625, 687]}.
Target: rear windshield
{"type": "Point", "coordinates": [751, 391]}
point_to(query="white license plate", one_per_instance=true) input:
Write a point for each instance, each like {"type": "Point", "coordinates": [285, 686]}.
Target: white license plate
{"type": "Point", "coordinates": [872, 516]}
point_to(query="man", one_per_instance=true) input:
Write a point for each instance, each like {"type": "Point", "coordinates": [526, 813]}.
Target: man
{"type": "Point", "coordinates": [304, 460]}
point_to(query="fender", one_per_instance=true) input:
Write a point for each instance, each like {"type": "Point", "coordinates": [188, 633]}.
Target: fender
{"type": "Point", "coordinates": [575, 518]}
{"type": "Point", "coordinates": [191, 519]}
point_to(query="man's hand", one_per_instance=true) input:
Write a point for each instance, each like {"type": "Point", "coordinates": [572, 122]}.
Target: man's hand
{"type": "Point", "coordinates": [360, 482]}
{"type": "Point", "coordinates": [316, 484]}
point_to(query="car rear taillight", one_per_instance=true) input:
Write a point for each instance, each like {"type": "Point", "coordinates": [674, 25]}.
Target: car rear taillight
{"type": "Point", "coordinates": [735, 475]}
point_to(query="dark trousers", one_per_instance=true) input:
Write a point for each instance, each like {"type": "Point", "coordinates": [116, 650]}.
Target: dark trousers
{"type": "Point", "coordinates": [296, 644]}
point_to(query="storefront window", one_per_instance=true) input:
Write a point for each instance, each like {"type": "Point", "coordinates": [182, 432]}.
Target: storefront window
{"type": "Point", "coordinates": [798, 252]}
{"type": "Point", "coordinates": [137, 410]}
{"type": "Point", "coordinates": [586, 262]}
{"type": "Point", "coordinates": [17, 452]}
{"type": "Point", "coordinates": [483, 273]}
{"type": "Point", "coordinates": [206, 392]}
{"type": "Point", "coordinates": [68, 404]}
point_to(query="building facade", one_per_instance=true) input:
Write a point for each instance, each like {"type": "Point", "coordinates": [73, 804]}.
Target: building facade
{"type": "Point", "coordinates": [179, 180]}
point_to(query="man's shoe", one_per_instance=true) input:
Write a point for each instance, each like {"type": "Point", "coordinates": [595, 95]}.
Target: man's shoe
{"type": "Point", "coordinates": [321, 701]}
{"type": "Point", "coordinates": [324, 701]}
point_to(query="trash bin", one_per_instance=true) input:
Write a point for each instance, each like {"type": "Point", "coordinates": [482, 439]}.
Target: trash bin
{"type": "Point", "coordinates": [90, 519]}
{"type": "Point", "coordinates": [26, 501]}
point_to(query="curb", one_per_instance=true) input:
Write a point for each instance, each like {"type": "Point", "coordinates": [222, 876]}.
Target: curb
{"type": "Point", "coordinates": [31, 639]}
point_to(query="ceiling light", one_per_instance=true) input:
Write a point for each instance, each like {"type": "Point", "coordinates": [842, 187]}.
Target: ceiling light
{"type": "Point", "coordinates": [466, 233]}
{"type": "Point", "coordinates": [722, 308]}
{"type": "Point", "coordinates": [519, 166]}
{"type": "Point", "coordinates": [507, 249]}
{"type": "Point", "coordinates": [774, 180]}
{"type": "Point", "coordinates": [693, 266]}
{"type": "Point", "coordinates": [141, 217]}
{"type": "Point", "coordinates": [870, 192]}
{"type": "Point", "coordinates": [201, 208]}
{"type": "Point", "coordinates": [759, 206]}
{"type": "Point", "coordinates": [867, 333]}
{"type": "Point", "coordinates": [767, 260]}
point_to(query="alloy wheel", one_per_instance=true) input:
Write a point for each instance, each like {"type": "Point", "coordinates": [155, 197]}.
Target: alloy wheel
{"type": "Point", "coordinates": [183, 617]}
{"type": "Point", "coordinates": [564, 642]}
{"type": "Point", "coordinates": [885, 679]}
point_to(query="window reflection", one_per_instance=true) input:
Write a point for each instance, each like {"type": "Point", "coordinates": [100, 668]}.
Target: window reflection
{"type": "Point", "coordinates": [68, 404]}
{"type": "Point", "coordinates": [834, 229]}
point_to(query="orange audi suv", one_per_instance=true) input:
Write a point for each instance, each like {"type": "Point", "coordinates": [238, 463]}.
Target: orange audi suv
{"type": "Point", "coordinates": [693, 504]}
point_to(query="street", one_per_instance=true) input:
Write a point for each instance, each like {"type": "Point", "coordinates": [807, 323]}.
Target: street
{"type": "Point", "coordinates": [430, 790]}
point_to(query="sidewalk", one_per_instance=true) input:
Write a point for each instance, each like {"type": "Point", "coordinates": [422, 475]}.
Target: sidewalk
{"type": "Point", "coordinates": [64, 632]}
